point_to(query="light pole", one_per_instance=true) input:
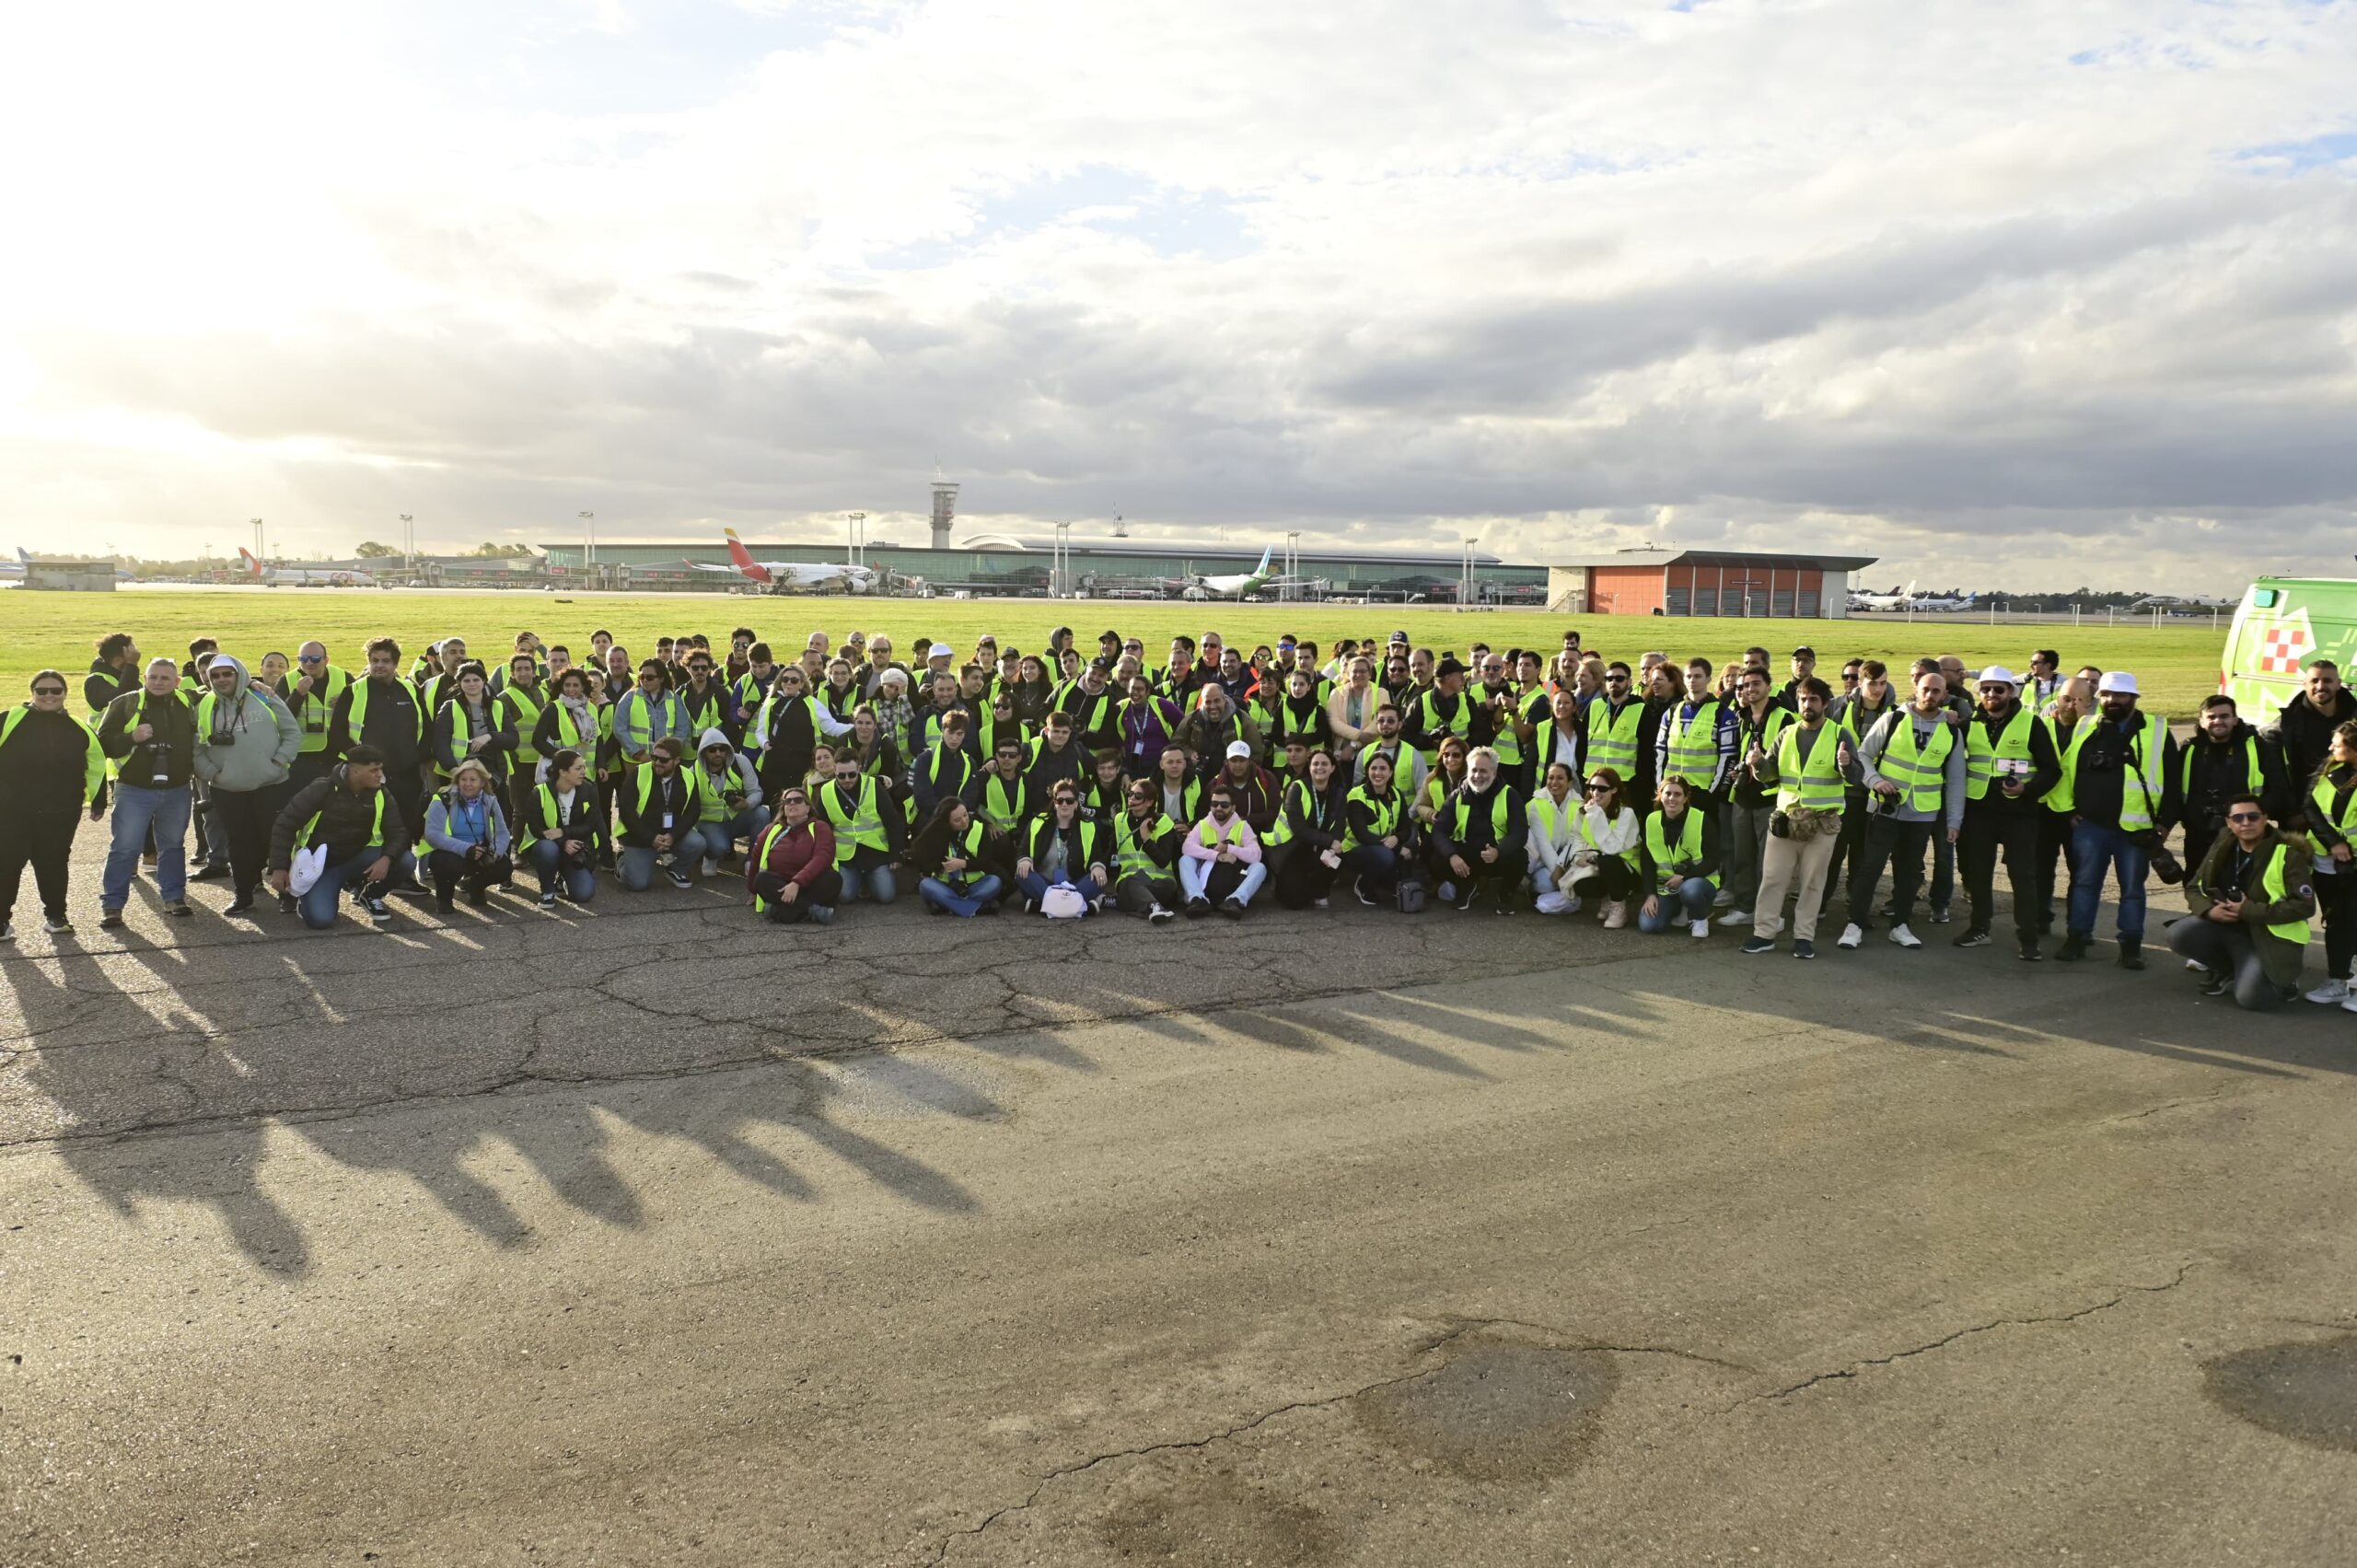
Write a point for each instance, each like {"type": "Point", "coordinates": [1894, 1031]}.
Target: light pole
{"type": "Point", "coordinates": [1293, 564]}
{"type": "Point", "coordinates": [589, 550]}
{"type": "Point", "coordinates": [409, 540]}
{"type": "Point", "coordinates": [855, 533]}
{"type": "Point", "coordinates": [260, 553]}
{"type": "Point", "coordinates": [1060, 564]}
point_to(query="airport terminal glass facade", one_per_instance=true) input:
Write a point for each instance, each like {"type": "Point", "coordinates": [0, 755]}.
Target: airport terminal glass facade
{"type": "Point", "coordinates": [1143, 567]}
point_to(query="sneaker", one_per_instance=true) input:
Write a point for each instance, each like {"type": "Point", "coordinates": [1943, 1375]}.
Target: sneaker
{"type": "Point", "coordinates": [1358, 886]}
{"type": "Point", "coordinates": [1850, 936]}
{"type": "Point", "coordinates": [1158, 915]}
{"type": "Point", "coordinates": [8, 932]}
{"type": "Point", "coordinates": [821, 914]}
{"type": "Point", "coordinates": [211, 871]}
{"type": "Point", "coordinates": [1803, 948]}
{"type": "Point", "coordinates": [1464, 899]}
{"type": "Point", "coordinates": [2031, 955]}
{"type": "Point", "coordinates": [57, 927]}
{"type": "Point", "coordinates": [1758, 945]}
{"type": "Point", "coordinates": [1723, 899]}
{"type": "Point", "coordinates": [379, 910]}
{"type": "Point", "coordinates": [1234, 908]}
{"type": "Point", "coordinates": [1939, 915]}
{"type": "Point", "coordinates": [1698, 930]}
{"type": "Point", "coordinates": [2349, 1005]}
{"type": "Point", "coordinates": [242, 904]}
{"type": "Point", "coordinates": [1197, 908]}
{"type": "Point", "coordinates": [2325, 995]}
{"type": "Point", "coordinates": [710, 866]}
{"type": "Point", "coordinates": [1736, 917]}
{"type": "Point", "coordinates": [678, 877]}
{"type": "Point", "coordinates": [2196, 966]}
{"type": "Point", "coordinates": [109, 919]}
{"type": "Point", "coordinates": [1902, 937]}
{"type": "Point", "coordinates": [177, 907]}
{"type": "Point", "coordinates": [2218, 985]}
{"type": "Point", "coordinates": [1616, 914]}
{"type": "Point", "coordinates": [1321, 903]}
{"type": "Point", "coordinates": [287, 904]}
{"type": "Point", "coordinates": [1030, 906]}
{"type": "Point", "coordinates": [1971, 939]}
{"type": "Point", "coordinates": [548, 901]}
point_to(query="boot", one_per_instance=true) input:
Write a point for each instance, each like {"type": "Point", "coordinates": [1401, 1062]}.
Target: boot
{"type": "Point", "coordinates": [2073, 949]}
{"type": "Point", "coordinates": [2131, 956]}
{"type": "Point", "coordinates": [1616, 914]}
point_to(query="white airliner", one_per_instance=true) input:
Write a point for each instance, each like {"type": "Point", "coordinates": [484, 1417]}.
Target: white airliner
{"type": "Point", "coordinates": [16, 568]}
{"type": "Point", "coordinates": [316, 575]}
{"type": "Point", "coordinates": [1898, 600]}
{"type": "Point", "coordinates": [1238, 584]}
{"type": "Point", "coordinates": [791, 577]}
{"type": "Point", "coordinates": [1930, 603]}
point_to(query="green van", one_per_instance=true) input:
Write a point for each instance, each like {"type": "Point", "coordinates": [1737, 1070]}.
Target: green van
{"type": "Point", "coordinates": [2282, 625]}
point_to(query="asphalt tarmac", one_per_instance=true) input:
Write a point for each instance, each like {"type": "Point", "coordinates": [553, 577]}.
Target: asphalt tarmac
{"type": "Point", "coordinates": [651, 1234]}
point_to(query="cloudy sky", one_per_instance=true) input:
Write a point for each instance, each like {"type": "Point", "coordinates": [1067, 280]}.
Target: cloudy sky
{"type": "Point", "coordinates": [2035, 294]}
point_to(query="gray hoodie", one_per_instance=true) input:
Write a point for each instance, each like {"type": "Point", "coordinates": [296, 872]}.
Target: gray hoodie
{"type": "Point", "coordinates": [718, 784]}
{"type": "Point", "coordinates": [250, 740]}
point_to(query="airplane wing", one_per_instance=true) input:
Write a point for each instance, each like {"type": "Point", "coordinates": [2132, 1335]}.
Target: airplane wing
{"type": "Point", "coordinates": [706, 566]}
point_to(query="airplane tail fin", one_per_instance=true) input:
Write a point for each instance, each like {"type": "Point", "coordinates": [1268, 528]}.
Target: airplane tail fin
{"type": "Point", "coordinates": [743, 558]}
{"type": "Point", "coordinates": [23, 559]}
{"type": "Point", "coordinates": [1262, 570]}
{"type": "Point", "coordinates": [253, 567]}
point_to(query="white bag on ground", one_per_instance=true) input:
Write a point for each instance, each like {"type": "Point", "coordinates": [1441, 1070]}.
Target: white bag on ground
{"type": "Point", "coordinates": [1063, 902]}
{"type": "Point", "coordinates": [304, 870]}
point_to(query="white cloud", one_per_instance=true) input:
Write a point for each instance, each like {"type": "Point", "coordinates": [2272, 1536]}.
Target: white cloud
{"type": "Point", "coordinates": [2026, 293]}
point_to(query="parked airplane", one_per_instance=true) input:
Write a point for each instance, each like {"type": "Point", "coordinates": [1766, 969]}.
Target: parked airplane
{"type": "Point", "coordinates": [1898, 600]}
{"type": "Point", "coordinates": [1936, 605]}
{"type": "Point", "coordinates": [2187, 604]}
{"type": "Point", "coordinates": [792, 576]}
{"type": "Point", "coordinates": [314, 575]}
{"type": "Point", "coordinates": [1237, 584]}
{"type": "Point", "coordinates": [16, 568]}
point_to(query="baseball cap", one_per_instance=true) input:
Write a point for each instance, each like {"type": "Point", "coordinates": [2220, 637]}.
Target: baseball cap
{"type": "Point", "coordinates": [1238, 749]}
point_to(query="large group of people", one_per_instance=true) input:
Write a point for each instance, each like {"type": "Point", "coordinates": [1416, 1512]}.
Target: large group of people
{"type": "Point", "coordinates": [1675, 796]}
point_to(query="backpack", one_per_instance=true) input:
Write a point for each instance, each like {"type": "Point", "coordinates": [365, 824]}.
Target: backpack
{"type": "Point", "coordinates": [1410, 895]}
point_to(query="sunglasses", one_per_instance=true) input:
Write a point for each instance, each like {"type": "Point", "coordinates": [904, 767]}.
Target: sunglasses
{"type": "Point", "coordinates": [49, 691]}
{"type": "Point", "coordinates": [2245, 816]}
{"type": "Point", "coordinates": [1599, 789]}
{"type": "Point", "coordinates": [311, 658]}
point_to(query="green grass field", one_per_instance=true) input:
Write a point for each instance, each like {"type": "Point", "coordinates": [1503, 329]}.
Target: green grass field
{"type": "Point", "coordinates": [2177, 665]}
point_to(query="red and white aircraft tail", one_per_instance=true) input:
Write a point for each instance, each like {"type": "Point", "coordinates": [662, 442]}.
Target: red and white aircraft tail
{"type": "Point", "coordinates": [744, 559]}
{"type": "Point", "coordinates": [253, 567]}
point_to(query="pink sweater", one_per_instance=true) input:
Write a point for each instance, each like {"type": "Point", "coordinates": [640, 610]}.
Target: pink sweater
{"type": "Point", "coordinates": [1241, 839]}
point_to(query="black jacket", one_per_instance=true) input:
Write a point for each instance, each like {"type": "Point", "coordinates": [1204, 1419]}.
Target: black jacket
{"type": "Point", "coordinates": [1479, 829]}
{"type": "Point", "coordinates": [2305, 738]}
{"type": "Point", "coordinates": [392, 725]}
{"type": "Point", "coordinates": [347, 819]}
{"type": "Point", "coordinates": [175, 724]}
{"type": "Point", "coordinates": [2207, 775]}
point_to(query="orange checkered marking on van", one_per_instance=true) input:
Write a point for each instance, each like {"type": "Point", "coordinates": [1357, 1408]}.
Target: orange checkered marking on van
{"type": "Point", "coordinates": [2282, 646]}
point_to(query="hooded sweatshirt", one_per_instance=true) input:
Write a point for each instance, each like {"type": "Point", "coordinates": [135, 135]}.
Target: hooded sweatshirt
{"type": "Point", "coordinates": [738, 775]}
{"type": "Point", "coordinates": [249, 740]}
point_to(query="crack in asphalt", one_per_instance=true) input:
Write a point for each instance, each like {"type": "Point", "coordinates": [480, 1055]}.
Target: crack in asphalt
{"type": "Point", "coordinates": [1857, 1367]}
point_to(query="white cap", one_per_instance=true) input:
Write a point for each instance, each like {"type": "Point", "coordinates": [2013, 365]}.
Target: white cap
{"type": "Point", "coordinates": [1998, 675]}
{"type": "Point", "coordinates": [941, 650]}
{"type": "Point", "coordinates": [893, 678]}
{"type": "Point", "coordinates": [2117, 680]}
{"type": "Point", "coordinates": [1239, 748]}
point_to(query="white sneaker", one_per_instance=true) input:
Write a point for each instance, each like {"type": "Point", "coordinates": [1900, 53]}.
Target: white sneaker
{"type": "Point", "coordinates": [2196, 966]}
{"type": "Point", "coordinates": [1850, 936]}
{"type": "Point", "coordinates": [1721, 899]}
{"type": "Point", "coordinates": [1736, 917]}
{"type": "Point", "coordinates": [1616, 914]}
{"type": "Point", "coordinates": [1901, 936]}
{"type": "Point", "coordinates": [2330, 991]}
{"type": "Point", "coordinates": [1699, 929]}
{"type": "Point", "coordinates": [2349, 1005]}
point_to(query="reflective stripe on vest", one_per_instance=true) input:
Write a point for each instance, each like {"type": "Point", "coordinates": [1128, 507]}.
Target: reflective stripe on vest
{"type": "Point", "coordinates": [1130, 853]}
{"type": "Point", "coordinates": [528, 720]}
{"type": "Point", "coordinates": [1919, 773]}
{"type": "Point", "coordinates": [1613, 743]}
{"type": "Point", "coordinates": [761, 857]}
{"type": "Point", "coordinates": [864, 824]}
{"type": "Point", "coordinates": [1588, 836]}
{"type": "Point", "coordinates": [1001, 809]}
{"type": "Point", "coordinates": [2139, 785]}
{"type": "Point", "coordinates": [376, 830]}
{"type": "Point", "coordinates": [1690, 846]}
{"type": "Point", "coordinates": [356, 721]}
{"type": "Point", "coordinates": [1460, 726]}
{"type": "Point", "coordinates": [312, 713]}
{"type": "Point", "coordinates": [1694, 744]}
{"type": "Point", "coordinates": [1815, 785]}
{"type": "Point", "coordinates": [1981, 759]}
{"type": "Point", "coordinates": [2061, 799]}
{"type": "Point", "coordinates": [1386, 815]}
{"type": "Point", "coordinates": [2270, 887]}
{"type": "Point", "coordinates": [2344, 821]}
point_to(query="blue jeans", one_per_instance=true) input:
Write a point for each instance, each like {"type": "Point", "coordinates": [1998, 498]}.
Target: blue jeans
{"type": "Point", "coordinates": [1378, 864]}
{"type": "Point", "coordinates": [723, 837]}
{"type": "Point", "coordinates": [136, 809]}
{"type": "Point", "coordinates": [2096, 849]}
{"type": "Point", "coordinates": [1689, 903]}
{"type": "Point", "coordinates": [318, 902]}
{"type": "Point", "coordinates": [968, 904]}
{"type": "Point", "coordinates": [1034, 886]}
{"type": "Point", "coordinates": [635, 866]}
{"type": "Point", "coordinates": [577, 882]}
{"type": "Point", "coordinates": [876, 881]}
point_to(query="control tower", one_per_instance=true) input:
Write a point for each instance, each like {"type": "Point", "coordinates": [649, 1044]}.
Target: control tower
{"type": "Point", "coordinates": [945, 512]}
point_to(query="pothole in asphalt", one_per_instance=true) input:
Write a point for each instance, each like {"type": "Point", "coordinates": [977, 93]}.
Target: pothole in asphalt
{"type": "Point", "coordinates": [1215, 1517]}
{"type": "Point", "coordinates": [2305, 1390]}
{"type": "Point", "coordinates": [1498, 1411]}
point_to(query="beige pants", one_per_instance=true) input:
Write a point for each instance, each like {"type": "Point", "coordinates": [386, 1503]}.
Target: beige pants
{"type": "Point", "coordinates": [1789, 862]}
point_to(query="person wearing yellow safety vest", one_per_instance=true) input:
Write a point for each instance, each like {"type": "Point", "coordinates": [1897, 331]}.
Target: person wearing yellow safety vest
{"type": "Point", "coordinates": [944, 771]}
{"type": "Point", "coordinates": [963, 864]}
{"type": "Point", "coordinates": [1854, 712]}
{"type": "Point", "coordinates": [309, 692]}
{"type": "Point", "coordinates": [787, 730]}
{"type": "Point", "coordinates": [2010, 764]}
{"type": "Point", "coordinates": [662, 804]}
{"type": "Point", "coordinates": [521, 698]}
{"type": "Point", "coordinates": [2333, 824]}
{"type": "Point", "coordinates": [1680, 863]}
{"type": "Point", "coordinates": [870, 829]}
{"type": "Point", "coordinates": [380, 710]}
{"type": "Point", "coordinates": [1810, 771]}
{"type": "Point", "coordinates": [1306, 843]}
{"type": "Point", "coordinates": [791, 872]}
{"type": "Point", "coordinates": [358, 819]}
{"type": "Point", "coordinates": [2224, 757]}
{"type": "Point", "coordinates": [2044, 681]}
{"type": "Point", "coordinates": [467, 837]}
{"type": "Point", "coordinates": [1477, 836]}
{"type": "Point", "coordinates": [51, 768]}
{"type": "Point", "coordinates": [116, 671]}
{"type": "Point", "coordinates": [649, 712]}
{"type": "Point", "coordinates": [1442, 710]}
{"type": "Point", "coordinates": [1145, 854]}
{"type": "Point", "coordinates": [1552, 839]}
{"type": "Point", "coordinates": [2252, 897]}
{"type": "Point", "coordinates": [1617, 737]}
{"type": "Point", "coordinates": [1749, 803]}
{"type": "Point", "coordinates": [1062, 848]}
{"type": "Point", "coordinates": [1408, 768]}
{"type": "Point", "coordinates": [2071, 705]}
{"type": "Point", "coordinates": [1219, 861]}
{"type": "Point", "coordinates": [733, 811]}
{"type": "Point", "coordinates": [1914, 762]}
{"type": "Point", "coordinates": [1610, 855]}
{"type": "Point", "coordinates": [150, 735]}
{"type": "Point", "coordinates": [1498, 721]}
{"type": "Point", "coordinates": [1694, 737]}
{"type": "Point", "coordinates": [2117, 770]}
{"type": "Point", "coordinates": [563, 827]}
{"type": "Point", "coordinates": [246, 745]}
{"type": "Point", "coordinates": [471, 721]}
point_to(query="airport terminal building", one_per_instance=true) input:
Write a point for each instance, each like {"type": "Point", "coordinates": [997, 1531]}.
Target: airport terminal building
{"type": "Point", "coordinates": [1009, 564]}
